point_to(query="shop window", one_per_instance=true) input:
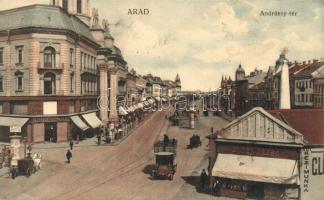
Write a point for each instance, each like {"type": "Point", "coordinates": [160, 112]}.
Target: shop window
{"type": "Point", "coordinates": [79, 6]}
{"type": "Point", "coordinates": [49, 57]}
{"type": "Point", "coordinates": [18, 108]}
{"type": "Point", "coordinates": [65, 4]}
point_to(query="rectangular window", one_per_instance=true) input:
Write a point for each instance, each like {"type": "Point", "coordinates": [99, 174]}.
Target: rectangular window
{"type": "Point", "coordinates": [19, 50]}
{"type": "Point", "coordinates": [79, 6]}
{"type": "Point", "coordinates": [71, 82]}
{"type": "Point", "coordinates": [1, 56]}
{"type": "Point", "coordinates": [65, 4]}
{"type": "Point", "coordinates": [19, 83]}
{"type": "Point", "coordinates": [1, 84]}
{"type": "Point", "coordinates": [71, 58]}
{"type": "Point", "coordinates": [81, 60]}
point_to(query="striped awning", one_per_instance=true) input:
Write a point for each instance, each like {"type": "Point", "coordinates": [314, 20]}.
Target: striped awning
{"type": "Point", "coordinates": [255, 168]}
{"type": "Point", "coordinates": [13, 121]}
{"type": "Point", "coordinates": [122, 111]}
{"type": "Point", "coordinates": [79, 123]}
{"type": "Point", "coordinates": [92, 120]}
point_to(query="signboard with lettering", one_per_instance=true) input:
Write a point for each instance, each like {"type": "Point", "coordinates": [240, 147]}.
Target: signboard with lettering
{"type": "Point", "coordinates": [258, 150]}
{"type": "Point", "coordinates": [312, 173]}
{"type": "Point", "coordinates": [15, 129]}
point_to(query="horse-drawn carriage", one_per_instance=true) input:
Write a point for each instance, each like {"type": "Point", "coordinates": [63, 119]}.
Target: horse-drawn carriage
{"type": "Point", "coordinates": [194, 141]}
{"type": "Point", "coordinates": [165, 159]}
{"type": "Point", "coordinates": [27, 166]}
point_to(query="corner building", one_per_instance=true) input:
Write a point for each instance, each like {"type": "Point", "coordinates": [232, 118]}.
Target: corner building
{"type": "Point", "coordinates": [48, 71]}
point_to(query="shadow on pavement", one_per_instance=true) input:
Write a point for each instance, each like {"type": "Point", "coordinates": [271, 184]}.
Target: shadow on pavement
{"type": "Point", "coordinates": [195, 181]}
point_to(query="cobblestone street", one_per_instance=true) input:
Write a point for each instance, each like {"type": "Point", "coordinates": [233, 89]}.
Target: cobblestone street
{"type": "Point", "coordinates": [117, 172]}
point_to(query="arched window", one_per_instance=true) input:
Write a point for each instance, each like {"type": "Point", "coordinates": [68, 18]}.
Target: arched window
{"type": "Point", "coordinates": [49, 57]}
{"type": "Point", "coordinates": [65, 4]}
{"type": "Point", "coordinates": [79, 6]}
{"type": "Point", "coordinates": [49, 83]}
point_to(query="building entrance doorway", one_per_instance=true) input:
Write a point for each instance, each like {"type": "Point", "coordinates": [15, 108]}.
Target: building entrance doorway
{"type": "Point", "coordinates": [50, 132]}
{"type": "Point", "coordinates": [256, 191]}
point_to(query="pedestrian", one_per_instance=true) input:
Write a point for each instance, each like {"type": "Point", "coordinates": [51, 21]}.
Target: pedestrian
{"type": "Point", "coordinates": [14, 172]}
{"type": "Point", "coordinates": [166, 139]}
{"type": "Point", "coordinates": [68, 155]}
{"type": "Point", "coordinates": [71, 144]}
{"type": "Point", "coordinates": [203, 179]}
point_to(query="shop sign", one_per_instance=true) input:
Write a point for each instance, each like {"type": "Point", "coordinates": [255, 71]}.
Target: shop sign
{"type": "Point", "coordinates": [15, 129]}
{"type": "Point", "coordinates": [312, 173]}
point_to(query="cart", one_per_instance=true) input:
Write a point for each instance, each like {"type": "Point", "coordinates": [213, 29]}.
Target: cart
{"type": "Point", "coordinates": [194, 141]}
{"type": "Point", "coordinates": [26, 166]}
{"type": "Point", "coordinates": [165, 162]}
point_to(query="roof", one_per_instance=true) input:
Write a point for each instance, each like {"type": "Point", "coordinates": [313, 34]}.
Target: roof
{"type": "Point", "coordinates": [258, 86]}
{"type": "Point", "coordinates": [308, 69]}
{"type": "Point", "coordinates": [309, 122]}
{"type": "Point", "coordinates": [43, 16]}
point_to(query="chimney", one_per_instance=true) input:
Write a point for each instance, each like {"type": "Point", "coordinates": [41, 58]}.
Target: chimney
{"type": "Point", "coordinates": [309, 62]}
{"type": "Point", "coordinates": [304, 62]}
{"type": "Point", "coordinates": [315, 60]}
{"type": "Point", "coordinates": [296, 62]}
{"type": "Point", "coordinates": [284, 86]}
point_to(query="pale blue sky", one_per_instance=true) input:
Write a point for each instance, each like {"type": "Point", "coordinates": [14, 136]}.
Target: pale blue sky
{"type": "Point", "coordinates": [203, 39]}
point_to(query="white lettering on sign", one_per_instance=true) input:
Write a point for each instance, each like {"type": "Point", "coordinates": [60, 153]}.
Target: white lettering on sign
{"type": "Point", "coordinates": [15, 129]}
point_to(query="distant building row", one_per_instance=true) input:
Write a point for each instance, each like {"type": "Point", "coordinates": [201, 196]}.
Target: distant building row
{"type": "Point", "coordinates": [306, 82]}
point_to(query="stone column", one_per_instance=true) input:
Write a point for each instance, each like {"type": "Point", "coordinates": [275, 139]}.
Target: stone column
{"type": "Point", "coordinates": [14, 146]}
{"type": "Point", "coordinates": [113, 117]}
{"type": "Point", "coordinates": [64, 60]}
{"type": "Point", "coordinates": [103, 101]}
{"type": "Point", "coordinates": [113, 94]}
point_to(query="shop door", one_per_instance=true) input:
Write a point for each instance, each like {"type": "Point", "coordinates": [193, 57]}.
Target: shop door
{"type": "Point", "coordinates": [256, 191]}
{"type": "Point", "coordinates": [50, 132]}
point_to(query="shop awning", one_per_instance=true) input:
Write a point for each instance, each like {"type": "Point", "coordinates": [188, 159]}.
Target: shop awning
{"type": "Point", "coordinates": [253, 168]}
{"type": "Point", "coordinates": [92, 120]}
{"type": "Point", "coordinates": [13, 121]}
{"type": "Point", "coordinates": [129, 109]}
{"type": "Point", "coordinates": [158, 98]}
{"type": "Point", "coordinates": [79, 123]}
{"type": "Point", "coordinates": [122, 111]}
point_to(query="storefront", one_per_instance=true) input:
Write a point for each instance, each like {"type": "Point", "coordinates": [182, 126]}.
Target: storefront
{"type": "Point", "coordinates": [312, 172]}
{"type": "Point", "coordinates": [256, 156]}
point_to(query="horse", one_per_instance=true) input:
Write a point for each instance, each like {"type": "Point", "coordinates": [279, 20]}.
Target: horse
{"type": "Point", "coordinates": [37, 161]}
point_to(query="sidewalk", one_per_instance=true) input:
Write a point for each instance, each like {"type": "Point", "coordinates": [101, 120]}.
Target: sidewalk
{"type": "Point", "coordinates": [84, 143]}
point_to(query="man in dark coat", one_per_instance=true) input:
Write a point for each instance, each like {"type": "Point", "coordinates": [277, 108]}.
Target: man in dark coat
{"type": "Point", "coordinates": [68, 155]}
{"type": "Point", "coordinates": [166, 139]}
{"type": "Point", "coordinates": [71, 144]}
{"type": "Point", "coordinates": [203, 179]}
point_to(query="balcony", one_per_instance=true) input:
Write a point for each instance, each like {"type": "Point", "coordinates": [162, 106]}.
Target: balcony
{"type": "Point", "coordinates": [50, 67]}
